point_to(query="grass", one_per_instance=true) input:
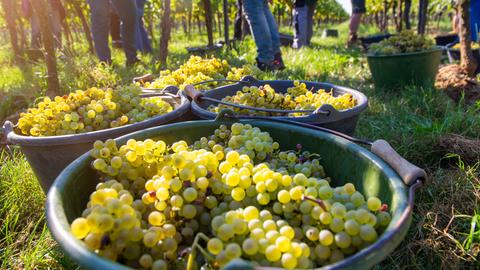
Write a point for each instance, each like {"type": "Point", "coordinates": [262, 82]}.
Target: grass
{"type": "Point", "coordinates": [445, 230]}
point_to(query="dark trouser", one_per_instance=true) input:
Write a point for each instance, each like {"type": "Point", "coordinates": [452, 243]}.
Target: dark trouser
{"type": "Point", "coordinates": [142, 40]}
{"type": "Point", "coordinates": [100, 16]}
{"type": "Point", "coordinates": [240, 25]}
{"type": "Point", "coordinates": [358, 6]}
{"type": "Point", "coordinates": [310, 13]}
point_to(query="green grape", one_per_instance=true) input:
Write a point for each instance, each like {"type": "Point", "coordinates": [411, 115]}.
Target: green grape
{"type": "Point", "coordinates": [289, 261]}
{"type": "Point", "coordinates": [189, 211]}
{"type": "Point", "coordinates": [352, 227]}
{"type": "Point", "coordinates": [283, 243]}
{"type": "Point", "coordinates": [342, 240]}
{"type": "Point", "coordinates": [233, 251]}
{"type": "Point", "coordinates": [190, 194]}
{"type": "Point", "coordinates": [374, 204]}
{"type": "Point", "coordinates": [159, 197]}
{"type": "Point", "coordinates": [250, 246]}
{"type": "Point", "coordinates": [214, 246]}
{"type": "Point", "coordinates": [80, 228]}
{"type": "Point", "coordinates": [272, 253]}
{"type": "Point", "coordinates": [368, 233]}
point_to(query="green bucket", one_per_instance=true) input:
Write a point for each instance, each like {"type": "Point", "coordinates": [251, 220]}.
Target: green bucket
{"type": "Point", "coordinates": [417, 68]}
{"type": "Point", "coordinates": [343, 160]}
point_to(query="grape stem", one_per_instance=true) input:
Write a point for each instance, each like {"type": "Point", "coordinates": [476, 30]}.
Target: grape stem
{"type": "Point", "coordinates": [196, 246]}
{"type": "Point", "coordinates": [317, 201]}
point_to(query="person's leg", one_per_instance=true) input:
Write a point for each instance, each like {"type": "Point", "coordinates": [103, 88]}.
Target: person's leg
{"type": "Point", "coordinates": [311, 12]}
{"type": "Point", "coordinates": [355, 22]}
{"type": "Point", "coordinates": [300, 27]}
{"type": "Point", "coordinates": [358, 8]}
{"type": "Point", "coordinates": [100, 17]}
{"type": "Point", "coordinates": [126, 10]}
{"type": "Point", "coordinates": [272, 26]}
{"type": "Point", "coordinates": [138, 31]}
{"type": "Point", "coordinates": [259, 27]}
{"type": "Point", "coordinates": [296, 27]}
{"type": "Point", "coordinates": [147, 43]}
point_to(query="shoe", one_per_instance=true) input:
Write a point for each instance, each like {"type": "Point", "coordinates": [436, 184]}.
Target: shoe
{"type": "Point", "coordinates": [133, 62]}
{"type": "Point", "coordinates": [352, 41]}
{"type": "Point", "coordinates": [265, 66]}
{"type": "Point", "coordinates": [278, 62]}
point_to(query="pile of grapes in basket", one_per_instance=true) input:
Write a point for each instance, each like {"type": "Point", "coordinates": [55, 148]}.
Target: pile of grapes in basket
{"type": "Point", "coordinates": [231, 195]}
{"type": "Point", "coordinates": [90, 110]}
{"type": "Point", "coordinates": [198, 69]}
{"type": "Point", "coordinates": [298, 97]}
{"type": "Point", "coordinates": [403, 42]}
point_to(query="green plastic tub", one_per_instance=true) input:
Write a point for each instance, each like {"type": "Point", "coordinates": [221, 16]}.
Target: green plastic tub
{"type": "Point", "coordinates": [343, 160]}
{"type": "Point", "coordinates": [392, 71]}
{"type": "Point", "coordinates": [49, 155]}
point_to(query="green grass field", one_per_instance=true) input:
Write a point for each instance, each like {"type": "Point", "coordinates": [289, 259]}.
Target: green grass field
{"type": "Point", "coordinates": [444, 234]}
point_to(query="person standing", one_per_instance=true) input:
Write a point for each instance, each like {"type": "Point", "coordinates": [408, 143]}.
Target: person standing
{"type": "Point", "coordinates": [302, 14]}
{"type": "Point", "coordinates": [100, 17]}
{"type": "Point", "coordinates": [358, 9]}
{"type": "Point", "coordinates": [265, 33]}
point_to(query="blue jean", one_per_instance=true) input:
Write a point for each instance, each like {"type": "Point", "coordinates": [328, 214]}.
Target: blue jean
{"type": "Point", "coordinates": [475, 19]}
{"type": "Point", "coordinates": [264, 29]}
{"type": "Point", "coordinates": [100, 17]}
{"type": "Point", "coordinates": [143, 42]}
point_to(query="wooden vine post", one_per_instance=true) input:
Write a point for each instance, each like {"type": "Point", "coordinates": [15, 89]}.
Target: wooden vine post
{"type": "Point", "coordinates": [467, 61]}
{"type": "Point", "coordinates": [40, 8]}
{"type": "Point", "coordinates": [166, 27]}
{"type": "Point", "coordinates": [422, 16]}
{"type": "Point", "coordinates": [8, 8]}
{"type": "Point", "coordinates": [207, 5]}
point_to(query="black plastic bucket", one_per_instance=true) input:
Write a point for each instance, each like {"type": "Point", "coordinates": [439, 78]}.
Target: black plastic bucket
{"type": "Point", "coordinates": [344, 121]}
{"type": "Point", "coordinates": [454, 55]}
{"type": "Point", "coordinates": [49, 155]}
{"type": "Point", "coordinates": [444, 40]}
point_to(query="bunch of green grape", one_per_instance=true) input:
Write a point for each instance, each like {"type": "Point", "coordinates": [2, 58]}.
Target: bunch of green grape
{"type": "Point", "coordinates": [233, 194]}
{"type": "Point", "coordinates": [298, 97]}
{"type": "Point", "coordinates": [90, 110]}
{"type": "Point", "coordinates": [403, 42]}
{"type": "Point", "coordinates": [198, 69]}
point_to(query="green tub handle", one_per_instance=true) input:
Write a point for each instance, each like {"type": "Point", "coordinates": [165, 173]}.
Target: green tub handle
{"type": "Point", "coordinates": [407, 171]}
{"type": "Point", "coordinates": [7, 128]}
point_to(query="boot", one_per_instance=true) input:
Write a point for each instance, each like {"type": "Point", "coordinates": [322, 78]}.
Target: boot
{"type": "Point", "coordinates": [278, 61]}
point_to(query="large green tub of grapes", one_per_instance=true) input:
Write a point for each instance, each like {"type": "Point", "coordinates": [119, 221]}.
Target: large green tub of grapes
{"type": "Point", "coordinates": [343, 160]}
{"type": "Point", "coordinates": [417, 68]}
{"type": "Point", "coordinates": [49, 155]}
